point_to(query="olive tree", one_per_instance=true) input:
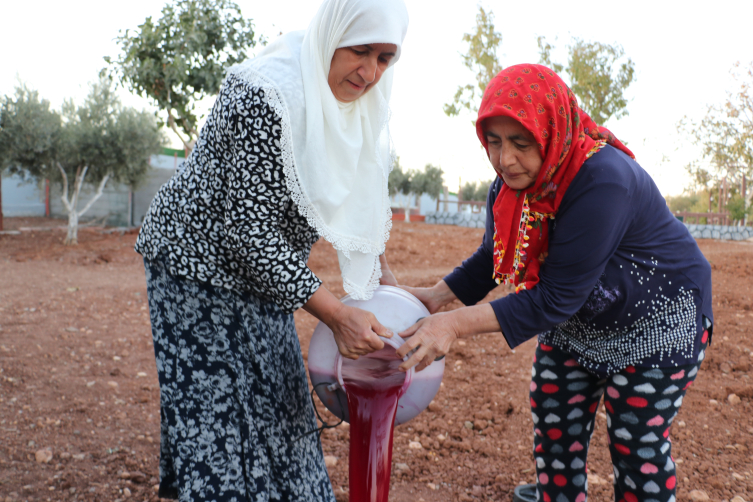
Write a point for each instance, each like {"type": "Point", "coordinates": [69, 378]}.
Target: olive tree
{"type": "Point", "coordinates": [476, 191]}
{"type": "Point", "coordinates": [599, 76]}
{"type": "Point", "coordinates": [180, 58]}
{"type": "Point", "coordinates": [412, 184]}
{"type": "Point", "coordinates": [90, 144]}
{"type": "Point", "coordinates": [481, 59]}
{"type": "Point", "coordinates": [599, 73]}
{"type": "Point", "coordinates": [29, 134]}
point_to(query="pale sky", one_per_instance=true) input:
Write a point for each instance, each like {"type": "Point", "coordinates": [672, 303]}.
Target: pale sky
{"type": "Point", "coordinates": [682, 52]}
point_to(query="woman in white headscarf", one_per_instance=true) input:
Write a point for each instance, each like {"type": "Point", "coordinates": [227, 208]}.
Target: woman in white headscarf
{"type": "Point", "coordinates": [296, 147]}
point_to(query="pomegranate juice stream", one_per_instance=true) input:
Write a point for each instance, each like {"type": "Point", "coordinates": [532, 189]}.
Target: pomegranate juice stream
{"type": "Point", "coordinates": [373, 385]}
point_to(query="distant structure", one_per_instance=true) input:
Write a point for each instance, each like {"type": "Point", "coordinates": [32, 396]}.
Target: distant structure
{"type": "Point", "coordinates": [118, 206]}
{"type": "Point", "coordinates": [121, 207]}
{"type": "Point", "coordinates": [448, 201]}
{"type": "Point", "coordinates": [23, 198]}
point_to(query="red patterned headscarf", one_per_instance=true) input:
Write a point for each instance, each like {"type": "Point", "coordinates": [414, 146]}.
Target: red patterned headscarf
{"type": "Point", "coordinates": [537, 98]}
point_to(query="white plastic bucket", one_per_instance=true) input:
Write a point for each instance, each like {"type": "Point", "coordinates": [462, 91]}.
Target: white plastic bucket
{"type": "Point", "coordinates": [397, 310]}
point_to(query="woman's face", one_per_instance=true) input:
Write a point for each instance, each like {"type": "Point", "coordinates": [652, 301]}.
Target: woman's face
{"type": "Point", "coordinates": [357, 69]}
{"type": "Point", "coordinates": [513, 151]}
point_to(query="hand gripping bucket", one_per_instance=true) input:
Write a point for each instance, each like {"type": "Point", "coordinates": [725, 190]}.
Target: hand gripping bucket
{"type": "Point", "coordinates": [397, 310]}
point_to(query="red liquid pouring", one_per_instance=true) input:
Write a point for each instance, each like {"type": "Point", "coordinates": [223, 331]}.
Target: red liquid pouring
{"type": "Point", "coordinates": [373, 386]}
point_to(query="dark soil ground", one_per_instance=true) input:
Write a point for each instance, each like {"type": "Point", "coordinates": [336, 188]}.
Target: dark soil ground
{"type": "Point", "coordinates": [79, 400]}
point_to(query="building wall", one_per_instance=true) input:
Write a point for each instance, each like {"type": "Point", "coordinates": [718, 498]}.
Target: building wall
{"type": "Point", "coordinates": [142, 197]}
{"type": "Point", "coordinates": [112, 207]}
{"type": "Point", "coordinates": [117, 206]}
{"type": "Point", "coordinates": [21, 198]}
{"type": "Point", "coordinates": [164, 167]}
{"type": "Point", "coordinates": [426, 204]}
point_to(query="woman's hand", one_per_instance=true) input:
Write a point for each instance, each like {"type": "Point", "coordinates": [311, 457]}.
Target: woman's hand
{"type": "Point", "coordinates": [356, 331]}
{"type": "Point", "coordinates": [434, 297]}
{"type": "Point", "coordinates": [433, 336]}
{"type": "Point", "coordinates": [388, 278]}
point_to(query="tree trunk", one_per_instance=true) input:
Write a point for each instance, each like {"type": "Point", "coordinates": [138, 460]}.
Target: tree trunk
{"type": "Point", "coordinates": [73, 214]}
{"type": "Point", "coordinates": [66, 203]}
{"type": "Point", "coordinates": [189, 143]}
{"type": "Point", "coordinates": [711, 198]}
{"type": "Point", "coordinates": [719, 202]}
{"type": "Point", "coordinates": [72, 238]}
{"type": "Point", "coordinates": [1, 201]}
{"type": "Point", "coordinates": [46, 198]}
{"type": "Point", "coordinates": [745, 200]}
{"type": "Point", "coordinates": [407, 208]}
{"type": "Point", "coordinates": [460, 194]}
{"type": "Point", "coordinates": [72, 204]}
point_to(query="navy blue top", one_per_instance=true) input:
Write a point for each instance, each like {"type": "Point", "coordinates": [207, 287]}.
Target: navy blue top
{"type": "Point", "coordinates": [624, 282]}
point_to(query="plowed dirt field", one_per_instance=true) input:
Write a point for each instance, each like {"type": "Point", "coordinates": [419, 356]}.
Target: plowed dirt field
{"type": "Point", "coordinates": [79, 400]}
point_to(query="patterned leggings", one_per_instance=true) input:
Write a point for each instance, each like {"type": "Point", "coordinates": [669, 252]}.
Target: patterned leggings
{"type": "Point", "coordinates": [640, 403]}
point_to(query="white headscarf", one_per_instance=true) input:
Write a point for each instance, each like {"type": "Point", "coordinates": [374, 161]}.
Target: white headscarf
{"type": "Point", "coordinates": [336, 155]}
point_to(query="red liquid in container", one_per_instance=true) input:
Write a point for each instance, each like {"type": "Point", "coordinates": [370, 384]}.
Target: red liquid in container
{"type": "Point", "coordinates": [373, 386]}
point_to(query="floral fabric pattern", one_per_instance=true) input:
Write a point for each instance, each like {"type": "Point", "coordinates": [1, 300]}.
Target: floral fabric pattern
{"type": "Point", "coordinates": [601, 299]}
{"type": "Point", "coordinates": [537, 98]}
{"type": "Point", "coordinates": [234, 400]}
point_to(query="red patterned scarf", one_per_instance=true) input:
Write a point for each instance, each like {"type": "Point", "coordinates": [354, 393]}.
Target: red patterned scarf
{"type": "Point", "coordinates": [537, 98]}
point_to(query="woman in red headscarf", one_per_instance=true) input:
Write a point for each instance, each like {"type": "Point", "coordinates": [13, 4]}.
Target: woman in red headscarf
{"type": "Point", "coordinates": [613, 285]}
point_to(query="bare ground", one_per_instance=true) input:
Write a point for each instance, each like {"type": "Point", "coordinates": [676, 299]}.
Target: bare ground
{"type": "Point", "coordinates": [79, 400]}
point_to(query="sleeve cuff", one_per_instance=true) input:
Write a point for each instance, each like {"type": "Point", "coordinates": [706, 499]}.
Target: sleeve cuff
{"type": "Point", "coordinates": [502, 311]}
{"type": "Point", "coordinates": [303, 289]}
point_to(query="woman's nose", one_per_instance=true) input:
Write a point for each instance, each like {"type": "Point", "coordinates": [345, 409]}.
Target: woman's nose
{"type": "Point", "coordinates": [506, 157]}
{"type": "Point", "coordinates": [368, 70]}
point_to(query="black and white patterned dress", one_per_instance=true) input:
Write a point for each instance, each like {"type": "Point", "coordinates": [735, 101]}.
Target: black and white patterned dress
{"type": "Point", "coordinates": [228, 219]}
{"type": "Point", "coordinates": [225, 253]}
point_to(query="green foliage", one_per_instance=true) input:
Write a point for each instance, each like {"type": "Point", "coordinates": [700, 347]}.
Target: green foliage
{"type": "Point", "coordinates": [101, 135]}
{"type": "Point", "coordinates": [725, 136]}
{"type": "Point", "coordinates": [182, 57]}
{"type": "Point", "coordinates": [429, 181]}
{"type": "Point", "coordinates": [468, 191]}
{"type": "Point", "coordinates": [29, 133]}
{"type": "Point", "coordinates": [599, 78]}
{"type": "Point", "coordinates": [545, 55]}
{"type": "Point", "coordinates": [137, 137]}
{"type": "Point", "coordinates": [399, 180]}
{"type": "Point", "coordinates": [475, 191]}
{"type": "Point", "coordinates": [687, 202]}
{"type": "Point", "coordinates": [481, 59]}
{"type": "Point", "coordinates": [599, 75]}
{"type": "Point", "coordinates": [88, 144]}
{"type": "Point", "coordinates": [738, 208]}
{"type": "Point", "coordinates": [107, 138]}
{"type": "Point", "coordinates": [412, 182]}
{"type": "Point", "coordinates": [739, 112]}
{"type": "Point", "coordinates": [700, 177]}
